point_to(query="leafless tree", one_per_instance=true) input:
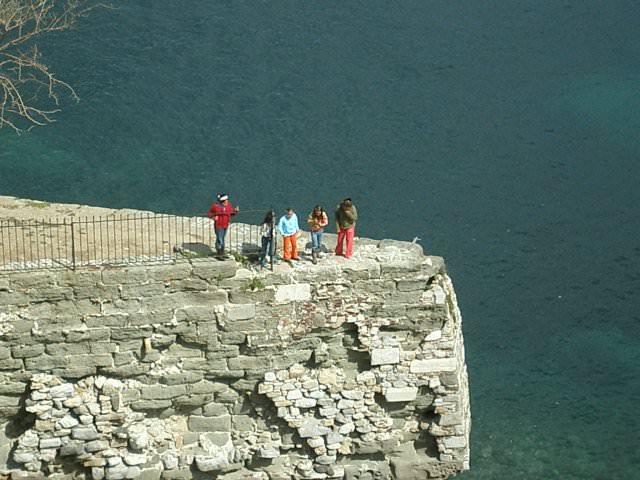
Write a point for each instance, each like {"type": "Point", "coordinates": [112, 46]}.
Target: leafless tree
{"type": "Point", "coordinates": [29, 92]}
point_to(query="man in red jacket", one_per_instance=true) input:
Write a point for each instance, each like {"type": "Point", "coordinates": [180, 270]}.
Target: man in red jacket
{"type": "Point", "coordinates": [221, 212]}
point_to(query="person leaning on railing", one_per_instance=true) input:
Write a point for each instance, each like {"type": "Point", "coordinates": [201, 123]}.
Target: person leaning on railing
{"type": "Point", "coordinates": [221, 212]}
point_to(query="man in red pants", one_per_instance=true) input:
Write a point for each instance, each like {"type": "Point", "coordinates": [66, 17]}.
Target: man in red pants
{"type": "Point", "coordinates": [346, 217]}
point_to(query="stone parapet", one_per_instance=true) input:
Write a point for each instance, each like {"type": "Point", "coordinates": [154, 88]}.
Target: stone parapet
{"type": "Point", "coordinates": [210, 366]}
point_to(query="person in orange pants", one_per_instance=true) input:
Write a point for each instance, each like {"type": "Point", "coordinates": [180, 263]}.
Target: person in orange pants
{"type": "Point", "coordinates": [346, 217]}
{"type": "Point", "coordinates": [288, 228]}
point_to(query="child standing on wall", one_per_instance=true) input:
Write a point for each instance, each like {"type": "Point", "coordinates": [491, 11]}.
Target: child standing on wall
{"type": "Point", "coordinates": [317, 220]}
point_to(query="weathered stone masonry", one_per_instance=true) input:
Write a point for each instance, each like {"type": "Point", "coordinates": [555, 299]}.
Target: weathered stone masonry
{"type": "Point", "coordinates": [205, 369]}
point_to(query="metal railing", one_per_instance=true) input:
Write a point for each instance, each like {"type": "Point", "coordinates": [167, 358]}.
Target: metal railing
{"type": "Point", "coordinates": [124, 239]}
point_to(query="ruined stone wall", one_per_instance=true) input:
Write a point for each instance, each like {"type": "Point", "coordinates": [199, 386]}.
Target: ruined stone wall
{"type": "Point", "coordinates": [207, 369]}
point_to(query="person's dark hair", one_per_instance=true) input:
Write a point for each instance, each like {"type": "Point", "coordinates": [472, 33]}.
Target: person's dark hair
{"type": "Point", "coordinates": [346, 203]}
{"type": "Point", "coordinates": [268, 218]}
{"type": "Point", "coordinates": [318, 208]}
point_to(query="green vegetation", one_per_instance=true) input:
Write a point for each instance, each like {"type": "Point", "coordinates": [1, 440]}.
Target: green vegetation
{"type": "Point", "coordinates": [254, 284]}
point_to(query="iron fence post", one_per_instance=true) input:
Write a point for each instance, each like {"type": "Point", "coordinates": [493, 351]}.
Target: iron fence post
{"type": "Point", "coordinates": [272, 247]}
{"type": "Point", "coordinates": [73, 247]}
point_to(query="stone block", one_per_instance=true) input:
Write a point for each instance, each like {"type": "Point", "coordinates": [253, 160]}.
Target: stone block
{"type": "Point", "coordinates": [85, 278]}
{"type": "Point", "coordinates": [27, 351]}
{"type": "Point", "coordinates": [45, 362]}
{"type": "Point", "coordinates": [195, 314]}
{"type": "Point", "coordinates": [433, 336]}
{"type": "Point", "coordinates": [61, 322]}
{"type": "Point", "coordinates": [11, 364]}
{"type": "Point", "coordinates": [454, 442]}
{"type": "Point", "coordinates": [124, 358]}
{"type": "Point", "coordinates": [161, 392]}
{"type": "Point", "coordinates": [67, 348]}
{"type": "Point", "coordinates": [190, 284]}
{"type": "Point", "coordinates": [206, 386]}
{"type": "Point", "coordinates": [5, 353]}
{"type": "Point", "coordinates": [240, 311]}
{"type": "Point", "coordinates": [400, 394]}
{"type": "Point", "coordinates": [180, 351]}
{"type": "Point", "coordinates": [13, 298]}
{"type": "Point", "coordinates": [411, 285]}
{"type": "Point", "coordinates": [213, 269]}
{"type": "Point", "coordinates": [33, 279]}
{"type": "Point", "coordinates": [392, 267]}
{"type": "Point", "coordinates": [216, 438]}
{"type": "Point", "coordinates": [201, 364]}
{"type": "Point", "coordinates": [122, 276]}
{"type": "Point", "coordinates": [8, 387]}
{"type": "Point", "coordinates": [130, 333]}
{"type": "Point", "coordinates": [220, 423]}
{"type": "Point", "coordinates": [362, 269]}
{"type": "Point", "coordinates": [264, 295]}
{"type": "Point", "coordinates": [288, 358]}
{"type": "Point", "coordinates": [84, 432]}
{"type": "Point", "coordinates": [245, 362]}
{"type": "Point", "coordinates": [150, 473]}
{"type": "Point", "coordinates": [102, 348]}
{"type": "Point", "coordinates": [312, 427]}
{"type": "Point", "coordinates": [434, 365]}
{"type": "Point", "coordinates": [181, 378]}
{"type": "Point", "coordinates": [74, 371]}
{"type": "Point", "coordinates": [191, 402]}
{"type": "Point", "coordinates": [214, 409]}
{"type": "Point", "coordinates": [245, 326]}
{"type": "Point", "coordinates": [223, 351]}
{"type": "Point", "coordinates": [150, 405]}
{"type": "Point", "coordinates": [9, 401]}
{"type": "Point", "coordinates": [91, 360]}
{"type": "Point", "coordinates": [385, 356]}
{"type": "Point", "coordinates": [90, 335]}
{"type": "Point", "coordinates": [125, 371]}
{"type": "Point", "coordinates": [243, 423]}
{"type": "Point", "coordinates": [138, 291]}
{"type": "Point", "coordinates": [96, 292]}
{"type": "Point", "coordinates": [50, 294]}
{"type": "Point", "coordinates": [182, 473]}
{"type": "Point", "coordinates": [233, 338]}
{"type": "Point", "coordinates": [72, 448]}
{"type": "Point", "coordinates": [97, 321]}
{"type": "Point", "coordinates": [168, 273]}
{"type": "Point", "coordinates": [74, 309]}
{"type": "Point", "coordinates": [296, 292]}
{"type": "Point", "coordinates": [119, 306]}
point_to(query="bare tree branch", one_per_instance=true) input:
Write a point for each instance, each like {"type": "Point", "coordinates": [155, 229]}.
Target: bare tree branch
{"type": "Point", "coordinates": [29, 91]}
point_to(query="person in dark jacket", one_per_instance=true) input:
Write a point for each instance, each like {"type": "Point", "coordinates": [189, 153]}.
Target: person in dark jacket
{"type": "Point", "coordinates": [221, 212]}
{"type": "Point", "coordinates": [346, 218]}
{"type": "Point", "coordinates": [268, 246]}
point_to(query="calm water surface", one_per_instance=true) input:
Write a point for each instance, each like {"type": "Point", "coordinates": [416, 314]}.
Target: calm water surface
{"type": "Point", "coordinates": [503, 133]}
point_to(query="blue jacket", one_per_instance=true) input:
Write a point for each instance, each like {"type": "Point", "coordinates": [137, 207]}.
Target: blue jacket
{"type": "Point", "coordinates": [288, 226]}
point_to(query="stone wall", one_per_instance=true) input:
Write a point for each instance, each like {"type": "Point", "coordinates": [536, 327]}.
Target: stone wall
{"type": "Point", "coordinates": [210, 369]}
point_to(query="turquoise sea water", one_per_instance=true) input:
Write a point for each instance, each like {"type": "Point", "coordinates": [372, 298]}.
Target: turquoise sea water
{"type": "Point", "coordinates": [503, 133]}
